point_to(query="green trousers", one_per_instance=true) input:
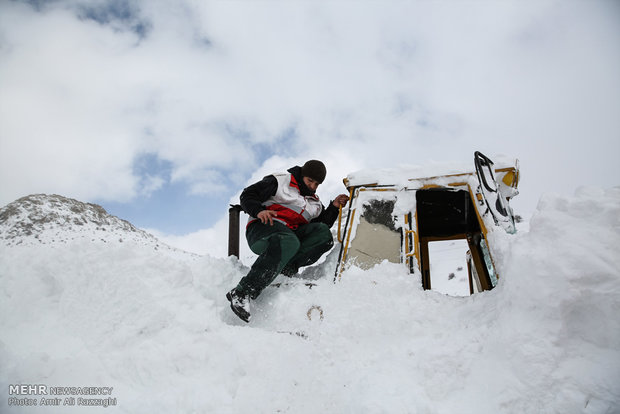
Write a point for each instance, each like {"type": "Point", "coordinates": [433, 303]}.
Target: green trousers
{"type": "Point", "coordinates": [281, 249]}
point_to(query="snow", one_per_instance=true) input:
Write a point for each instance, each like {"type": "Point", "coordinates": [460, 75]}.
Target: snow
{"type": "Point", "coordinates": [53, 219]}
{"type": "Point", "coordinates": [402, 176]}
{"type": "Point", "coordinates": [154, 324]}
{"type": "Point", "coordinates": [448, 267]}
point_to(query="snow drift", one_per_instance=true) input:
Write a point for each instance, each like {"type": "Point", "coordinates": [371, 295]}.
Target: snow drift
{"type": "Point", "coordinates": [115, 308]}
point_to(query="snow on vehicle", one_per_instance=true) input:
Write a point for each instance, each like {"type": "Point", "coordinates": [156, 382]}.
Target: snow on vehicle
{"type": "Point", "coordinates": [394, 214]}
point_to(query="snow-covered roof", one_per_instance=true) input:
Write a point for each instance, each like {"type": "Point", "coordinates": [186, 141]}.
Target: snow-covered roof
{"type": "Point", "coordinates": [402, 176]}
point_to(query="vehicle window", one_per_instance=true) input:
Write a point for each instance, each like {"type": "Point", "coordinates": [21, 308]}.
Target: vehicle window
{"type": "Point", "coordinates": [376, 236]}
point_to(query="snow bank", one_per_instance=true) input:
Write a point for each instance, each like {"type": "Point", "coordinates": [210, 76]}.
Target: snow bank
{"type": "Point", "coordinates": [158, 329]}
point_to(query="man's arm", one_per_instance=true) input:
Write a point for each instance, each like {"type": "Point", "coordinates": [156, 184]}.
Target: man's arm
{"type": "Point", "coordinates": [327, 216]}
{"type": "Point", "coordinates": [330, 214]}
{"type": "Point", "coordinates": [252, 197]}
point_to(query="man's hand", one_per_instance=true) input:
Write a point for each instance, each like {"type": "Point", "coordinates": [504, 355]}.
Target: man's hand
{"type": "Point", "coordinates": [266, 216]}
{"type": "Point", "coordinates": [341, 201]}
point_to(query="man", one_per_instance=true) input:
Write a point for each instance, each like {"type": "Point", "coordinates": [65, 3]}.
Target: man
{"type": "Point", "coordinates": [288, 228]}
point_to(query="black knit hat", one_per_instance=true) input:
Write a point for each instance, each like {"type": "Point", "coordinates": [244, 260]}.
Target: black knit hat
{"type": "Point", "coordinates": [314, 169]}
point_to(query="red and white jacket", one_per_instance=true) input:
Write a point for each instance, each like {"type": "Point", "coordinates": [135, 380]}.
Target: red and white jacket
{"type": "Point", "coordinates": [293, 208]}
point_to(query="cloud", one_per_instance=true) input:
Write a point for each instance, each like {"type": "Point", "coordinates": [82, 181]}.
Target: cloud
{"type": "Point", "coordinates": [55, 112]}
{"type": "Point", "coordinates": [222, 92]}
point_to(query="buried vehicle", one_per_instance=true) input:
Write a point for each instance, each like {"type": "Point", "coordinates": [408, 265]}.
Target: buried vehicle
{"type": "Point", "coordinates": [394, 214]}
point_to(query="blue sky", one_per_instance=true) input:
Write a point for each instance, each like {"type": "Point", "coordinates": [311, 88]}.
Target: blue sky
{"type": "Point", "coordinates": [162, 111]}
{"type": "Point", "coordinates": [171, 208]}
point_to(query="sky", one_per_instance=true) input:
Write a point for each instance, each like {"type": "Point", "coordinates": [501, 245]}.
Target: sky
{"type": "Point", "coordinates": [163, 111]}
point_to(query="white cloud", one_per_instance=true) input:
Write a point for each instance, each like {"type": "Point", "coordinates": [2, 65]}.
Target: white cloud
{"type": "Point", "coordinates": [214, 88]}
{"type": "Point", "coordinates": [151, 183]}
{"type": "Point", "coordinates": [211, 241]}
{"type": "Point", "coordinates": [56, 107]}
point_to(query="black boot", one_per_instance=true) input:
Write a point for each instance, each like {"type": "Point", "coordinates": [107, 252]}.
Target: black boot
{"type": "Point", "coordinates": [240, 304]}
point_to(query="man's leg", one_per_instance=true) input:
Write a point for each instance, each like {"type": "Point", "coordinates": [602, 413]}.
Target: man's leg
{"type": "Point", "coordinates": [275, 245]}
{"type": "Point", "coordinates": [315, 239]}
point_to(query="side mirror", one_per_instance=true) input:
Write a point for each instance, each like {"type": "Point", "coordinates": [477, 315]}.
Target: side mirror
{"type": "Point", "coordinates": [496, 202]}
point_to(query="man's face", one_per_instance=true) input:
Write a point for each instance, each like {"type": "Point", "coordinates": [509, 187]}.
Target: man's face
{"type": "Point", "coordinates": [312, 184]}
